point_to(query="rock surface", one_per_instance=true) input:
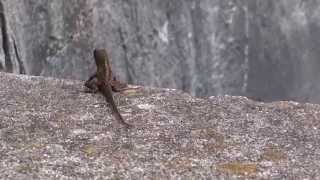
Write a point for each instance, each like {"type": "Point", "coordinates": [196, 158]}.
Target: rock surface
{"type": "Point", "coordinates": [51, 129]}
{"type": "Point", "coordinates": [264, 49]}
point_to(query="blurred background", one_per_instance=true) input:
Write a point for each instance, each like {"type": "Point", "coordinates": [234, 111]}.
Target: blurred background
{"type": "Point", "coordinates": [264, 49]}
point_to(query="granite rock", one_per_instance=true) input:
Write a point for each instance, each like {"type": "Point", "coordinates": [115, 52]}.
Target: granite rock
{"type": "Point", "coordinates": [51, 129]}
{"type": "Point", "coordinates": [267, 50]}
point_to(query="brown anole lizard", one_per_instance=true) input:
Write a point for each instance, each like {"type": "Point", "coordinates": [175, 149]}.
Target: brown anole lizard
{"type": "Point", "coordinates": [102, 81]}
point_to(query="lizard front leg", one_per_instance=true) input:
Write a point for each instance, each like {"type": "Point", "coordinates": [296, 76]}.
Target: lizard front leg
{"type": "Point", "coordinates": [91, 84]}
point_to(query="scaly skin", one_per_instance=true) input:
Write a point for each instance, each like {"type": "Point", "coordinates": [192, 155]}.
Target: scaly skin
{"type": "Point", "coordinates": [102, 81]}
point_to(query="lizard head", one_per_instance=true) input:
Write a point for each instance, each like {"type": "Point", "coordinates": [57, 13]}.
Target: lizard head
{"type": "Point", "coordinates": [100, 56]}
{"type": "Point", "coordinates": [99, 53]}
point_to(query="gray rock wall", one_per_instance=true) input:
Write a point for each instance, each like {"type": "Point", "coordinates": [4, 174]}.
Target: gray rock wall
{"type": "Point", "coordinates": [284, 50]}
{"type": "Point", "coordinates": [263, 49]}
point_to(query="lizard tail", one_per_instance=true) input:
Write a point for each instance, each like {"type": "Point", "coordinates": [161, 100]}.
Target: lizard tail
{"type": "Point", "coordinates": [118, 116]}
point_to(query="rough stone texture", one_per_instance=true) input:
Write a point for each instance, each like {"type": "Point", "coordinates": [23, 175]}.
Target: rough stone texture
{"type": "Point", "coordinates": [50, 129]}
{"type": "Point", "coordinates": [266, 49]}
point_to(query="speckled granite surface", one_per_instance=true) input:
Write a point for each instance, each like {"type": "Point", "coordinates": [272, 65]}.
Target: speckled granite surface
{"type": "Point", "coordinates": [51, 129]}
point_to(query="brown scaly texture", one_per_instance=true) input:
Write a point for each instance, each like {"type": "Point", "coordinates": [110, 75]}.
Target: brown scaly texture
{"type": "Point", "coordinates": [101, 81]}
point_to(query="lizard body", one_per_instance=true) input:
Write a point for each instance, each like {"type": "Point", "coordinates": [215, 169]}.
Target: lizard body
{"type": "Point", "coordinates": [102, 81]}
